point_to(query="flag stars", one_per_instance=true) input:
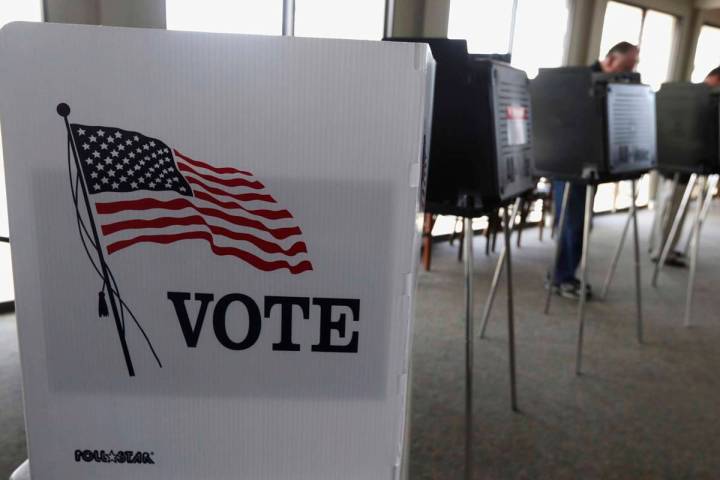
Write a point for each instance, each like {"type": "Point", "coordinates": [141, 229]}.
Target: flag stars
{"type": "Point", "coordinates": [152, 144]}
{"type": "Point", "coordinates": [86, 146]}
{"type": "Point", "coordinates": [104, 146]}
{"type": "Point", "coordinates": [111, 173]}
{"type": "Point", "coordinates": [134, 184]}
{"type": "Point", "coordinates": [80, 132]}
{"type": "Point", "coordinates": [110, 139]}
{"type": "Point", "coordinates": [152, 184]}
{"type": "Point", "coordinates": [104, 180]}
{"type": "Point", "coordinates": [137, 167]}
{"type": "Point", "coordinates": [101, 133]}
{"type": "Point", "coordinates": [131, 155]}
{"type": "Point", "coordinates": [108, 160]}
{"type": "Point", "coordinates": [100, 167]}
{"type": "Point", "coordinates": [96, 154]}
{"type": "Point", "coordinates": [94, 175]}
{"type": "Point", "coordinates": [128, 142]}
{"type": "Point", "coordinates": [121, 147]}
{"type": "Point", "coordinates": [123, 179]}
{"type": "Point", "coordinates": [141, 180]}
{"type": "Point", "coordinates": [126, 161]}
{"type": "Point", "coordinates": [145, 147]}
{"type": "Point", "coordinates": [114, 153]}
{"type": "Point", "coordinates": [115, 185]}
{"type": "Point", "coordinates": [96, 186]}
{"type": "Point", "coordinates": [89, 161]}
{"type": "Point", "coordinates": [118, 134]}
{"type": "Point", "coordinates": [136, 138]}
{"type": "Point", "coordinates": [182, 189]}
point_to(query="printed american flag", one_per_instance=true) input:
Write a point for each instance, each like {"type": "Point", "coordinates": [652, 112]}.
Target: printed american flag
{"type": "Point", "coordinates": [147, 192]}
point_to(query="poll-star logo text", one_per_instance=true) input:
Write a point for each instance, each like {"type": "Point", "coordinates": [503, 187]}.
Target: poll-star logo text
{"type": "Point", "coordinates": [338, 317]}
{"type": "Point", "coordinates": [121, 456]}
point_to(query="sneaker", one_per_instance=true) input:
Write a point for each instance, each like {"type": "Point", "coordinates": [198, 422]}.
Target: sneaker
{"type": "Point", "coordinates": [674, 259]}
{"type": "Point", "coordinates": [571, 290]}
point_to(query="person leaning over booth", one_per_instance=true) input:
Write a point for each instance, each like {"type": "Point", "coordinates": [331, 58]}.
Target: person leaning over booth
{"type": "Point", "coordinates": [623, 57]}
{"type": "Point", "coordinates": [672, 201]}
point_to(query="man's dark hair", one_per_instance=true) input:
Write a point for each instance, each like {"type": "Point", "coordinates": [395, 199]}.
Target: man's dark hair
{"type": "Point", "coordinates": [622, 48]}
{"type": "Point", "coordinates": [715, 72]}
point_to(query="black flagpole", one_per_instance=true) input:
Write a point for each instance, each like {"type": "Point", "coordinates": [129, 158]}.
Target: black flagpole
{"type": "Point", "coordinates": [63, 109]}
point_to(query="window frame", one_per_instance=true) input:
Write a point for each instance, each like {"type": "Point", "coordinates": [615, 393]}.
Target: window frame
{"type": "Point", "coordinates": [288, 17]}
{"type": "Point", "coordinates": [288, 29]}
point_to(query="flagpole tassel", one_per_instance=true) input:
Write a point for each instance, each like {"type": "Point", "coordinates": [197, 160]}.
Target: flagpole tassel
{"type": "Point", "coordinates": [102, 305]}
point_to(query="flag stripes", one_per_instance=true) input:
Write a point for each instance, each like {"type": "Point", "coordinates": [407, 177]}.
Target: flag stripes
{"type": "Point", "coordinates": [147, 193]}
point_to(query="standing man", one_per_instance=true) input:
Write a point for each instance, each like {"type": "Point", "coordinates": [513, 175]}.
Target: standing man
{"type": "Point", "coordinates": [623, 57]}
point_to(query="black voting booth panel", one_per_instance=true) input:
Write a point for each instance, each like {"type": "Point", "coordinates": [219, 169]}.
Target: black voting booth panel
{"type": "Point", "coordinates": [592, 126]}
{"type": "Point", "coordinates": [688, 126]}
{"type": "Point", "coordinates": [481, 146]}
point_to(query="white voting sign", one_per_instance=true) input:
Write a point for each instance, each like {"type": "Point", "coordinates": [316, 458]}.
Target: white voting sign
{"type": "Point", "coordinates": [214, 244]}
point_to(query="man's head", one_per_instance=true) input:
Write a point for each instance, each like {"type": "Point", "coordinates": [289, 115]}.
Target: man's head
{"type": "Point", "coordinates": [713, 78]}
{"type": "Point", "coordinates": [621, 58]}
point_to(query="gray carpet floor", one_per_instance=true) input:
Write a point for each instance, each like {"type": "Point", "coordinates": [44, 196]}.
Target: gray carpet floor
{"type": "Point", "coordinates": [648, 411]}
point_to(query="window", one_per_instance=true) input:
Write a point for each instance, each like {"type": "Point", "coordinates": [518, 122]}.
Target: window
{"type": "Point", "coordinates": [355, 19]}
{"type": "Point", "coordinates": [658, 35]}
{"type": "Point", "coordinates": [623, 23]}
{"type": "Point", "coordinates": [644, 28]}
{"type": "Point", "coordinates": [707, 56]}
{"type": "Point", "coordinates": [486, 25]}
{"type": "Point", "coordinates": [260, 17]}
{"type": "Point", "coordinates": [540, 43]}
{"type": "Point", "coordinates": [11, 11]}
{"type": "Point", "coordinates": [512, 26]}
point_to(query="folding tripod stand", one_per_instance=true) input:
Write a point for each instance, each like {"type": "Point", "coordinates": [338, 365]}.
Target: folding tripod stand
{"type": "Point", "coordinates": [707, 186]}
{"type": "Point", "coordinates": [504, 261]}
{"type": "Point", "coordinates": [632, 219]}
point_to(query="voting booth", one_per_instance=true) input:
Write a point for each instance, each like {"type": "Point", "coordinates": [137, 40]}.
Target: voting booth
{"type": "Point", "coordinates": [592, 126]}
{"type": "Point", "coordinates": [688, 127]}
{"type": "Point", "coordinates": [481, 152]}
{"type": "Point", "coordinates": [214, 247]}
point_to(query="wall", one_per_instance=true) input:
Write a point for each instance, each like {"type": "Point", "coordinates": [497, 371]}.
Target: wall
{"type": "Point", "coordinates": [128, 13]}
{"type": "Point", "coordinates": [408, 20]}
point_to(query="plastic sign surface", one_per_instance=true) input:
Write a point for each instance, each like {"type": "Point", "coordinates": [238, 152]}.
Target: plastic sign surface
{"type": "Point", "coordinates": [214, 248]}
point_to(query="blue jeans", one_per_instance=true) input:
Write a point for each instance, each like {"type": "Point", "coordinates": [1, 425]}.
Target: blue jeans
{"type": "Point", "coordinates": [571, 238]}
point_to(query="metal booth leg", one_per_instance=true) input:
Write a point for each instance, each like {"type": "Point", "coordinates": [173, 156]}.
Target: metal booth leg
{"type": "Point", "coordinates": [469, 339]}
{"type": "Point", "coordinates": [498, 272]}
{"type": "Point", "coordinates": [511, 316]}
{"type": "Point", "coordinates": [590, 195]}
{"type": "Point", "coordinates": [558, 243]}
{"type": "Point", "coordinates": [638, 279]}
{"type": "Point", "coordinates": [694, 256]}
{"type": "Point", "coordinates": [667, 242]}
{"type": "Point", "coordinates": [712, 183]}
{"type": "Point", "coordinates": [616, 258]}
